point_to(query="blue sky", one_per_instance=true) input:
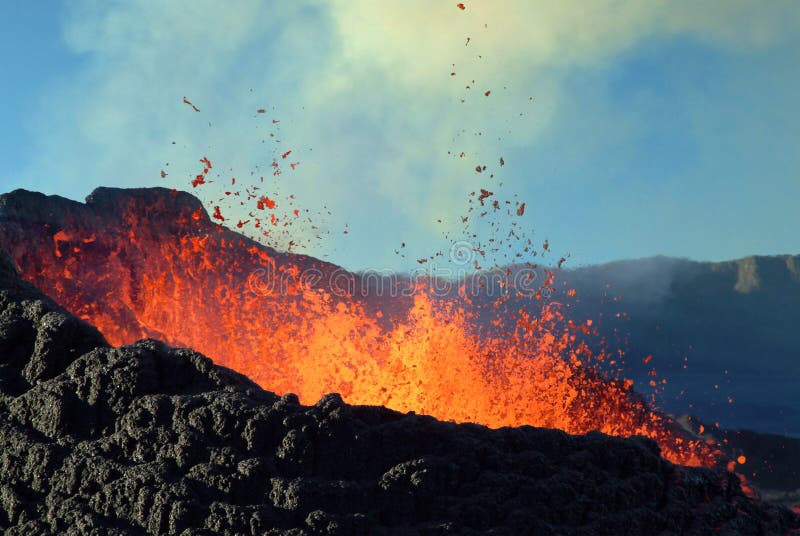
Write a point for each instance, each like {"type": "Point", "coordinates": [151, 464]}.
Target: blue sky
{"type": "Point", "coordinates": [655, 128]}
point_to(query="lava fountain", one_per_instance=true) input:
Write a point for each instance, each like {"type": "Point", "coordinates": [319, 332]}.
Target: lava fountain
{"type": "Point", "coordinates": [151, 263]}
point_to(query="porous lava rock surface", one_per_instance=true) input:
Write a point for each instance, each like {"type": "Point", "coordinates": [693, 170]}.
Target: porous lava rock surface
{"type": "Point", "coordinates": [148, 439]}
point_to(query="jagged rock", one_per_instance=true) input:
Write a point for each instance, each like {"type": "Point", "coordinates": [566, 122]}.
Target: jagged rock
{"type": "Point", "coordinates": [150, 439]}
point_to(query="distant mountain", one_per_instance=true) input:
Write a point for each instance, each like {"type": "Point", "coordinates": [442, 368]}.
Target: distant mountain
{"type": "Point", "coordinates": [737, 323]}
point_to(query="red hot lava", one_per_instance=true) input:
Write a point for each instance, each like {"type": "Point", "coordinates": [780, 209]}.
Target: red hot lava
{"type": "Point", "coordinates": [150, 263]}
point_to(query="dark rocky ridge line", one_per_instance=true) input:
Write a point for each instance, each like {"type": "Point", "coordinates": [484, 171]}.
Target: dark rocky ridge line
{"type": "Point", "coordinates": [150, 439]}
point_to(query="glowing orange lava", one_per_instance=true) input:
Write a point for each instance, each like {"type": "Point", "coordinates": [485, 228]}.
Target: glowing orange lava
{"type": "Point", "coordinates": [150, 263]}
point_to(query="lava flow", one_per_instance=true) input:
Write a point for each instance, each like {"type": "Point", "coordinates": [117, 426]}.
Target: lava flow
{"type": "Point", "coordinates": [150, 263]}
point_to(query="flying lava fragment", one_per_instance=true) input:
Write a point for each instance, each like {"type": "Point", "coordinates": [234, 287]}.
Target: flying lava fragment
{"type": "Point", "coordinates": [266, 202]}
{"type": "Point", "coordinates": [187, 101]}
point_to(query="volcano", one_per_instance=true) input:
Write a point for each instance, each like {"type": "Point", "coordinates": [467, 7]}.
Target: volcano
{"type": "Point", "coordinates": [150, 263]}
{"type": "Point", "coordinates": [147, 439]}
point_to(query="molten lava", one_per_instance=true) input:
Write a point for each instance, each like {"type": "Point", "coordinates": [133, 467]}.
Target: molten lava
{"type": "Point", "coordinates": [150, 263]}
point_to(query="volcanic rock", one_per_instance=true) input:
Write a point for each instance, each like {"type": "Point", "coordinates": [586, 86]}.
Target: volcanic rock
{"type": "Point", "coordinates": [148, 439]}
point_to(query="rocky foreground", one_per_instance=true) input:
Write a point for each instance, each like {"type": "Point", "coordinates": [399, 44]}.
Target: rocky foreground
{"type": "Point", "coordinates": [147, 439]}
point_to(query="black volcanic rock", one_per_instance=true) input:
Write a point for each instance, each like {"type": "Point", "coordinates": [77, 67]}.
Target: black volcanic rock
{"type": "Point", "coordinates": [150, 439]}
{"type": "Point", "coordinates": [38, 339]}
{"type": "Point", "coordinates": [26, 207]}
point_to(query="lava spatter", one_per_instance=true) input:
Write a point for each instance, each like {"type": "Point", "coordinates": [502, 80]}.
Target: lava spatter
{"type": "Point", "coordinates": [188, 102]}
